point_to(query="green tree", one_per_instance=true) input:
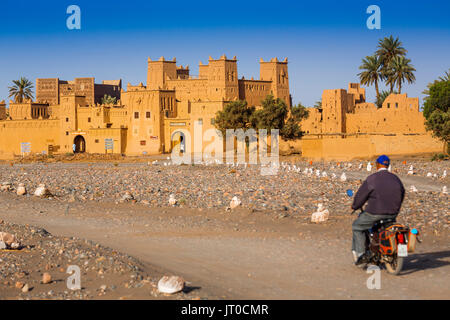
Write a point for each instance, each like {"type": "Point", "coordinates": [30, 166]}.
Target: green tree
{"type": "Point", "coordinates": [388, 50]}
{"type": "Point", "coordinates": [371, 73]}
{"type": "Point", "coordinates": [318, 104]}
{"type": "Point", "coordinates": [21, 90]}
{"type": "Point", "coordinates": [235, 115]}
{"type": "Point", "coordinates": [292, 129]}
{"type": "Point", "coordinates": [272, 115]}
{"type": "Point", "coordinates": [436, 110]}
{"type": "Point", "coordinates": [446, 77]}
{"type": "Point", "coordinates": [401, 71]}
{"type": "Point", "coordinates": [107, 99]}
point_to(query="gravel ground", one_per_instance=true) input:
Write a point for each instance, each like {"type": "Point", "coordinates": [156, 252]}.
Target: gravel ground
{"type": "Point", "coordinates": [105, 273]}
{"type": "Point", "coordinates": [290, 192]}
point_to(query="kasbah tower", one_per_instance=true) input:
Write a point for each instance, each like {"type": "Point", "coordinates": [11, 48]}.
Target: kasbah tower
{"type": "Point", "coordinates": [159, 117]}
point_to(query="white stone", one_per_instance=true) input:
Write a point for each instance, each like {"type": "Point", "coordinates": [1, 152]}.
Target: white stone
{"type": "Point", "coordinates": [321, 215]}
{"type": "Point", "coordinates": [413, 189]}
{"type": "Point", "coordinates": [172, 200]}
{"type": "Point", "coordinates": [429, 174]}
{"type": "Point", "coordinates": [235, 202]}
{"type": "Point", "coordinates": [369, 166]}
{"type": "Point", "coordinates": [42, 191]}
{"type": "Point", "coordinates": [170, 285]}
{"type": "Point", "coordinates": [444, 190]}
{"type": "Point", "coordinates": [127, 197]}
{"type": "Point", "coordinates": [21, 190]}
{"type": "Point", "coordinates": [343, 177]}
{"type": "Point", "coordinates": [9, 240]}
{"type": "Point", "coordinates": [6, 186]}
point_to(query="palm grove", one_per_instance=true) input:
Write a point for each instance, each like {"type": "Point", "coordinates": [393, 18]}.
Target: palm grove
{"type": "Point", "coordinates": [389, 64]}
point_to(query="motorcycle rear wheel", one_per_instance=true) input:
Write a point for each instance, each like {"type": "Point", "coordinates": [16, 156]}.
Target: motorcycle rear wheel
{"type": "Point", "coordinates": [396, 266]}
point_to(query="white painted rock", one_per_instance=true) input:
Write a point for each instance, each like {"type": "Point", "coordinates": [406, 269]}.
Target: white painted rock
{"type": "Point", "coordinates": [21, 190]}
{"type": "Point", "coordinates": [343, 177]}
{"type": "Point", "coordinates": [444, 174]}
{"type": "Point", "coordinates": [369, 166]}
{"type": "Point", "coordinates": [170, 285]}
{"type": "Point", "coordinates": [235, 202]}
{"type": "Point", "coordinates": [9, 240]}
{"type": "Point", "coordinates": [172, 200]}
{"type": "Point", "coordinates": [413, 189]}
{"type": "Point", "coordinates": [42, 191]}
{"type": "Point", "coordinates": [429, 174]}
{"type": "Point", "coordinates": [321, 215]}
{"type": "Point", "coordinates": [6, 186]}
{"type": "Point", "coordinates": [444, 190]}
{"type": "Point", "coordinates": [127, 197]}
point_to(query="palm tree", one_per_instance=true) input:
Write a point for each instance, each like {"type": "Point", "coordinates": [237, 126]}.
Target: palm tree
{"type": "Point", "coordinates": [22, 89]}
{"type": "Point", "coordinates": [107, 99]}
{"type": "Point", "coordinates": [388, 49]}
{"type": "Point", "coordinates": [401, 71]}
{"type": "Point", "coordinates": [318, 104]}
{"type": "Point", "coordinates": [372, 72]}
{"type": "Point", "coordinates": [446, 77]}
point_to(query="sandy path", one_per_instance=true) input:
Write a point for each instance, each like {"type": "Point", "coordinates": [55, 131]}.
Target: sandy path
{"type": "Point", "coordinates": [261, 259]}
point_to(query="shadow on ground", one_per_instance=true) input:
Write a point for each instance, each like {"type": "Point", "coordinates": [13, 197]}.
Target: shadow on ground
{"type": "Point", "coordinates": [425, 261]}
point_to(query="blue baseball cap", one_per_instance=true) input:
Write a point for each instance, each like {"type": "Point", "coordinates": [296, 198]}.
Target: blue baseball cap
{"type": "Point", "coordinates": [384, 160]}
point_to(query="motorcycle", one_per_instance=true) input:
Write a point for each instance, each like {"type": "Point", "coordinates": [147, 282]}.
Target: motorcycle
{"type": "Point", "coordinates": [389, 242]}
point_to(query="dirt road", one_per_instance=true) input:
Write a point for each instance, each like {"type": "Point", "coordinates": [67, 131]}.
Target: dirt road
{"type": "Point", "coordinates": [243, 254]}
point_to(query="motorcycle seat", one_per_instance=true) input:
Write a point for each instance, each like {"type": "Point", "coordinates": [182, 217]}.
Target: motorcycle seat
{"type": "Point", "coordinates": [382, 224]}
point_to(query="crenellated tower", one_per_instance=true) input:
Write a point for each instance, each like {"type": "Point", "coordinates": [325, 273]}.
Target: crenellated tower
{"type": "Point", "coordinates": [277, 72]}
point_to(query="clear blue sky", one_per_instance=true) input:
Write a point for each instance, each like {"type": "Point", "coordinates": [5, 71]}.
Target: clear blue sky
{"type": "Point", "coordinates": [323, 40]}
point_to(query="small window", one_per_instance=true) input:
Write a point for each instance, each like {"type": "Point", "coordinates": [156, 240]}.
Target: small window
{"type": "Point", "coordinates": [96, 140]}
{"type": "Point", "coordinates": [213, 121]}
{"type": "Point", "coordinates": [396, 104]}
{"type": "Point", "coordinates": [67, 119]}
{"type": "Point", "coordinates": [388, 105]}
{"type": "Point", "coordinates": [167, 114]}
{"type": "Point", "coordinates": [143, 142]}
{"type": "Point", "coordinates": [147, 115]}
{"type": "Point", "coordinates": [136, 115]}
{"type": "Point", "coordinates": [89, 119]}
{"type": "Point", "coordinates": [67, 133]}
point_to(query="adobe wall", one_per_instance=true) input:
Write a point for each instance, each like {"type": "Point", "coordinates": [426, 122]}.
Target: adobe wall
{"type": "Point", "coordinates": [253, 91]}
{"type": "Point", "coordinates": [368, 146]}
{"type": "Point", "coordinates": [39, 133]}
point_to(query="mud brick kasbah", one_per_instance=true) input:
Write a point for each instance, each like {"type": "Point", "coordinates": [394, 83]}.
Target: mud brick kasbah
{"type": "Point", "coordinates": [153, 119]}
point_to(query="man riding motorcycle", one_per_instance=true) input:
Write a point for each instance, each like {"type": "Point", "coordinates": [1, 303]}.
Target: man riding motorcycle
{"type": "Point", "coordinates": [384, 193]}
